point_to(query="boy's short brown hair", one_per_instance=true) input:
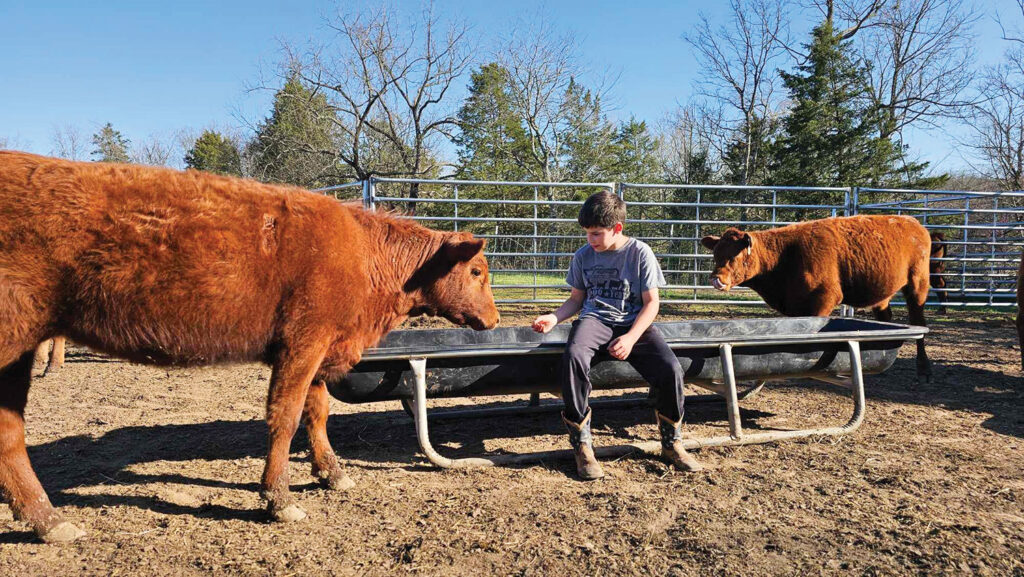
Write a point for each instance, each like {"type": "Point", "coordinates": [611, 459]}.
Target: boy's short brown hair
{"type": "Point", "coordinates": [603, 209]}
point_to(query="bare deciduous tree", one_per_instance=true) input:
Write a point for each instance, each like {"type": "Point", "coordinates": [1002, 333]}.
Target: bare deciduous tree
{"type": "Point", "coordinates": [691, 149]}
{"type": "Point", "coordinates": [848, 17]}
{"type": "Point", "coordinates": [387, 86]}
{"type": "Point", "coordinates": [739, 63]}
{"type": "Point", "coordinates": [920, 53]}
{"type": "Point", "coordinates": [69, 142]}
{"type": "Point", "coordinates": [997, 120]}
{"type": "Point", "coordinates": [153, 152]}
{"type": "Point", "coordinates": [540, 63]}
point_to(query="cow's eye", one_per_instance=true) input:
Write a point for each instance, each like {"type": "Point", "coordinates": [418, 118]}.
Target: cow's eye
{"type": "Point", "coordinates": [477, 272]}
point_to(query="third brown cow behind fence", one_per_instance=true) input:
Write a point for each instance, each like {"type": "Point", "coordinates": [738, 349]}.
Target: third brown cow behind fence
{"type": "Point", "coordinates": [187, 268]}
{"type": "Point", "coordinates": [809, 268]}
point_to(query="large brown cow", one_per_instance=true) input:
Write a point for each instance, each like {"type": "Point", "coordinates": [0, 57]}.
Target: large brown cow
{"type": "Point", "coordinates": [936, 268]}
{"type": "Point", "coordinates": [809, 268]}
{"type": "Point", "coordinates": [186, 268]}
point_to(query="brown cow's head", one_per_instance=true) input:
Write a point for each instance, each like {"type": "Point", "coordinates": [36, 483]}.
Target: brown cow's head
{"type": "Point", "coordinates": [455, 284]}
{"type": "Point", "coordinates": [733, 259]}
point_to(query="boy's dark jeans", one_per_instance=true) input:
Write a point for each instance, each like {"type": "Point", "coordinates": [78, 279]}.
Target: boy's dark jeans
{"type": "Point", "coordinates": [651, 357]}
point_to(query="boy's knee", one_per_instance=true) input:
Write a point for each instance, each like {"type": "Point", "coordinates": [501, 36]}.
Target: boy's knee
{"type": "Point", "coordinates": [578, 355]}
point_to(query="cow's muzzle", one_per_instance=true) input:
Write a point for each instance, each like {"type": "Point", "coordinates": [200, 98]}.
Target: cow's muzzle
{"type": "Point", "coordinates": [718, 284]}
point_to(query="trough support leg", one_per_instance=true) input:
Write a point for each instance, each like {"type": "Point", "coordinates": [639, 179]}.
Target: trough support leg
{"type": "Point", "coordinates": [732, 403]}
{"type": "Point", "coordinates": [419, 407]}
{"type": "Point", "coordinates": [736, 437]}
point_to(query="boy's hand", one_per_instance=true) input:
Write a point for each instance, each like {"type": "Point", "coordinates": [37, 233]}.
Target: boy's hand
{"type": "Point", "coordinates": [544, 323]}
{"type": "Point", "coordinates": [621, 347]}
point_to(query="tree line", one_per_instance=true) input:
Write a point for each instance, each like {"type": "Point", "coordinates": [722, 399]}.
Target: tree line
{"type": "Point", "coordinates": [826, 107]}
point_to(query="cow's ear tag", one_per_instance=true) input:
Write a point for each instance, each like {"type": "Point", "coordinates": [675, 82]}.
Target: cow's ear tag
{"type": "Point", "coordinates": [750, 249]}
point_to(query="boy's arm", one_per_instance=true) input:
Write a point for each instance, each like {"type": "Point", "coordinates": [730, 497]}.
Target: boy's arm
{"type": "Point", "coordinates": [622, 346]}
{"type": "Point", "coordinates": [571, 306]}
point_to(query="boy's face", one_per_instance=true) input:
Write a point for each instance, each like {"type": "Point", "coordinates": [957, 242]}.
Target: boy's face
{"type": "Point", "coordinates": [602, 239]}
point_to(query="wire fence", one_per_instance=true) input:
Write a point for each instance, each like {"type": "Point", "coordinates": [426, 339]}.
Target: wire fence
{"type": "Point", "coordinates": [532, 231]}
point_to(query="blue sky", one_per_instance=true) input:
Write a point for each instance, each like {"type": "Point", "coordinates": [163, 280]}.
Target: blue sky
{"type": "Point", "coordinates": [153, 68]}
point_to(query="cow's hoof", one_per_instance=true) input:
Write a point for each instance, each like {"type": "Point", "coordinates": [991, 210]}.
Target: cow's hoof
{"type": "Point", "coordinates": [289, 514]}
{"type": "Point", "coordinates": [62, 532]}
{"type": "Point", "coordinates": [340, 482]}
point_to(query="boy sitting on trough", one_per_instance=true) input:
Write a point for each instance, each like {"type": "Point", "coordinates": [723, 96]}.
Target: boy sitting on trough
{"type": "Point", "coordinates": [615, 280]}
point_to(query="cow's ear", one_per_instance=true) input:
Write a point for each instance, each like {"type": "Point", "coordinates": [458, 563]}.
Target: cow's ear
{"type": "Point", "coordinates": [747, 240]}
{"type": "Point", "coordinates": [710, 241]}
{"type": "Point", "coordinates": [462, 249]}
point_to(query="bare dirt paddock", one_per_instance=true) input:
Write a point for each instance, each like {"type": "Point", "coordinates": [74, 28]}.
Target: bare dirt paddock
{"type": "Point", "coordinates": [161, 468]}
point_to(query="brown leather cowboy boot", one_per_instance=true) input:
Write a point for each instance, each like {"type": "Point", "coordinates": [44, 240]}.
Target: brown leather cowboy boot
{"type": "Point", "coordinates": [582, 442]}
{"type": "Point", "coordinates": [672, 445]}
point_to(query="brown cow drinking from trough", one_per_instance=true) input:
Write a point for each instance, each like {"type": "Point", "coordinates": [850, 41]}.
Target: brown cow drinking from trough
{"type": "Point", "coordinates": [809, 268]}
{"type": "Point", "coordinates": [187, 268]}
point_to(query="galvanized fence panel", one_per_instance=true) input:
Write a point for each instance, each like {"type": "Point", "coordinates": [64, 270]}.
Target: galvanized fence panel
{"type": "Point", "coordinates": [532, 231]}
{"type": "Point", "coordinates": [983, 232]}
{"type": "Point", "coordinates": [530, 227]}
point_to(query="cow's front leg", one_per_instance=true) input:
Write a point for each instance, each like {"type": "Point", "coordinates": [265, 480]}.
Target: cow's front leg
{"type": "Point", "coordinates": [290, 380]}
{"type": "Point", "coordinates": [325, 463]}
{"type": "Point", "coordinates": [19, 486]}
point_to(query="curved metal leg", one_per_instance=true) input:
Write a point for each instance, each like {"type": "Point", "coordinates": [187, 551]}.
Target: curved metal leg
{"type": "Point", "coordinates": [736, 436]}
{"type": "Point", "coordinates": [419, 407]}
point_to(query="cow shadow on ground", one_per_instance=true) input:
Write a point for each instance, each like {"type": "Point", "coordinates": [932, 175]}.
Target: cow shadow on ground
{"type": "Point", "coordinates": [988, 382]}
{"type": "Point", "coordinates": [958, 386]}
{"type": "Point", "coordinates": [365, 440]}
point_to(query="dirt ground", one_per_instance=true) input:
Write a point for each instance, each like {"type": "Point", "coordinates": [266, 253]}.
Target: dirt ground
{"type": "Point", "coordinates": [161, 468]}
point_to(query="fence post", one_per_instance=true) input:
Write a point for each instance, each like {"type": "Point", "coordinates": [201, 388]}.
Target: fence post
{"type": "Point", "coordinates": [368, 193]}
{"type": "Point", "coordinates": [455, 190]}
{"type": "Point", "coordinates": [850, 209]}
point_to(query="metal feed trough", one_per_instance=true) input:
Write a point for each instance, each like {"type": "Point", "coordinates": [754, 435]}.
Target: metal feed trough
{"type": "Point", "coordinates": [715, 355]}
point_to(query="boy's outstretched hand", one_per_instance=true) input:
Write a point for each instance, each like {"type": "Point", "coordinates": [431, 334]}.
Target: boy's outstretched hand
{"type": "Point", "coordinates": [621, 347]}
{"type": "Point", "coordinates": [544, 323]}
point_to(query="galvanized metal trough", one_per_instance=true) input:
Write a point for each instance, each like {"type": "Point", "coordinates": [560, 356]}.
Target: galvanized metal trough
{"type": "Point", "coordinates": [412, 366]}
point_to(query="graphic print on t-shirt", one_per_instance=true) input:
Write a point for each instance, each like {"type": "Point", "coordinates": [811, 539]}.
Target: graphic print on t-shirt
{"type": "Point", "coordinates": [605, 282]}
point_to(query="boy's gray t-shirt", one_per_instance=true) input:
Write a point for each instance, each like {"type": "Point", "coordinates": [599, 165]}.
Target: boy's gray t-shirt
{"type": "Point", "coordinates": [615, 280]}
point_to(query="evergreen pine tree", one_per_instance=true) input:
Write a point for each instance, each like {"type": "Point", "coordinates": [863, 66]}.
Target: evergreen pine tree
{"type": "Point", "coordinates": [763, 132]}
{"type": "Point", "coordinates": [829, 135]}
{"type": "Point", "coordinates": [295, 144]}
{"type": "Point", "coordinates": [587, 146]}
{"type": "Point", "coordinates": [491, 140]}
{"type": "Point", "coordinates": [111, 145]}
{"type": "Point", "coordinates": [635, 152]}
{"type": "Point", "coordinates": [213, 152]}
